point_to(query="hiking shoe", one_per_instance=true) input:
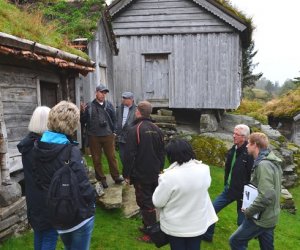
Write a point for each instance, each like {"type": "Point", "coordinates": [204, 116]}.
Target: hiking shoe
{"type": "Point", "coordinates": [145, 238]}
{"type": "Point", "coordinates": [99, 189]}
{"type": "Point", "coordinates": [119, 180]}
{"type": "Point", "coordinates": [104, 184]}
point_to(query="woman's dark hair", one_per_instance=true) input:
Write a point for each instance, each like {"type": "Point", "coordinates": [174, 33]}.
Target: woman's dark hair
{"type": "Point", "coordinates": [179, 150]}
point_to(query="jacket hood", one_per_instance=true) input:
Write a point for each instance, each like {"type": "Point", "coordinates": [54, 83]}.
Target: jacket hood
{"type": "Point", "coordinates": [27, 143]}
{"type": "Point", "coordinates": [272, 157]}
{"type": "Point", "coordinates": [46, 152]}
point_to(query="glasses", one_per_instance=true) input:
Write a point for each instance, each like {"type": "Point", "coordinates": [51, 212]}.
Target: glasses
{"type": "Point", "coordinates": [235, 134]}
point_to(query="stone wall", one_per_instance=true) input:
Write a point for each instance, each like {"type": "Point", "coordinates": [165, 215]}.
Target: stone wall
{"type": "Point", "coordinates": [13, 211]}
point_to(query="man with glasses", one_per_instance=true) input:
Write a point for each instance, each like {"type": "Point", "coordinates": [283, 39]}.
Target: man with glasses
{"type": "Point", "coordinates": [100, 118]}
{"type": "Point", "coordinates": [266, 176]}
{"type": "Point", "coordinates": [237, 173]}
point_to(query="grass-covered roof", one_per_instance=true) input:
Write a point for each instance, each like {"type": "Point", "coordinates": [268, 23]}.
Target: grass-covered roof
{"type": "Point", "coordinates": [53, 23]}
{"type": "Point", "coordinates": [286, 106]}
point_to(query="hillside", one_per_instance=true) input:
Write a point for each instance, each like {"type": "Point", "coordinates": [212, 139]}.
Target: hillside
{"type": "Point", "coordinates": [54, 25]}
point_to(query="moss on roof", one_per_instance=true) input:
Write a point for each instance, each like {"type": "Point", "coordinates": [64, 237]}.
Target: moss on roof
{"type": "Point", "coordinates": [31, 23]}
{"type": "Point", "coordinates": [286, 106]}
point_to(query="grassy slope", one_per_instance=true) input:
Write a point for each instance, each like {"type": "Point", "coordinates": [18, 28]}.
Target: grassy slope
{"type": "Point", "coordinates": [31, 26]}
{"type": "Point", "coordinates": [114, 232]}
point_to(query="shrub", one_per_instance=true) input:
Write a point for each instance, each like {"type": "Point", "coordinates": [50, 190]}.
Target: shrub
{"type": "Point", "coordinates": [252, 108]}
{"type": "Point", "coordinates": [210, 150]}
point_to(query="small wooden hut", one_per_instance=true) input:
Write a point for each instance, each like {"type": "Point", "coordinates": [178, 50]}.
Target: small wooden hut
{"type": "Point", "coordinates": [31, 74]}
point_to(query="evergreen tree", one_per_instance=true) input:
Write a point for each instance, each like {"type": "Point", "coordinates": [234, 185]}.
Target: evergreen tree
{"type": "Point", "coordinates": [248, 77]}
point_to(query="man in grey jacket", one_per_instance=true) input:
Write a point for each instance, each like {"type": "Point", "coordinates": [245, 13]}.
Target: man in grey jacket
{"type": "Point", "coordinates": [125, 119]}
{"type": "Point", "coordinates": [266, 176]}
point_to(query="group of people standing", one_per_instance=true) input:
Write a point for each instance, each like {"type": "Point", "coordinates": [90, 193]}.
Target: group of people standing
{"type": "Point", "coordinates": [179, 193]}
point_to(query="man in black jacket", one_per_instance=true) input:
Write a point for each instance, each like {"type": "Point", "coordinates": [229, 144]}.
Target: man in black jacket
{"type": "Point", "coordinates": [144, 160]}
{"type": "Point", "coordinates": [237, 173]}
{"type": "Point", "coordinates": [100, 118]}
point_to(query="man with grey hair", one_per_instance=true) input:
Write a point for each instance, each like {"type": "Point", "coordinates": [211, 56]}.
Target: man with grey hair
{"type": "Point", "coordinates": [144, 160]}
{"type": "Point", "coordinates": [125, 114]}
{"type": "Point", "coordinates": [237, 173]}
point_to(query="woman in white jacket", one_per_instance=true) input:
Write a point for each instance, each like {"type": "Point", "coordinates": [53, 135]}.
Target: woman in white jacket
{"type": "Point", "coordinates": [182, 197]}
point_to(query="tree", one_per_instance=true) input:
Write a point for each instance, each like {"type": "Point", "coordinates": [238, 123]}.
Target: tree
{"type": "Point", "coordinates": [248, 77]}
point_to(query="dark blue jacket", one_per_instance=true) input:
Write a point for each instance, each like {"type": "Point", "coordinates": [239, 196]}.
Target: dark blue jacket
{"type": "Point", "coordinates": [35, 195]}
{"type": "Point", "coordinates": [49, 156]}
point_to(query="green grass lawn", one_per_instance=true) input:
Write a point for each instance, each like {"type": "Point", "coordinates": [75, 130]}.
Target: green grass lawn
{"type": "Point", "coordinates": [114, 232]}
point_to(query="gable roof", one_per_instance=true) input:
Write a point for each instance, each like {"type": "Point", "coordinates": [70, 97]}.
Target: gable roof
{"type": "Point", "coordinates": [33, 51]}
{"type": "Point", "coordinates": [212, 6]}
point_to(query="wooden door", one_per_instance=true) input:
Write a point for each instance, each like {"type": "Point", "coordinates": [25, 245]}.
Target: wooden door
{"type": "Point", "coordinates": [156, 79]}
{"type": "Point", "coordinates": [48, 94]}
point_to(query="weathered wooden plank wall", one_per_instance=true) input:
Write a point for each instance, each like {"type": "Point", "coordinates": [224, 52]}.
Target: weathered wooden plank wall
{"type": "Point", "coordinates": [203, 68]}
{"type": "Point", "coordinates": [166, 17]}
{"type": "Point", "coordinates": [203, 53]}
{"type": "Point", "coordinates": [19, 99]}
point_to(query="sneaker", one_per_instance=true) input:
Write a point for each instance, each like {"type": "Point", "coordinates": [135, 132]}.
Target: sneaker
{"type": "Point", "coordinates": [99, 189]}
{"type": "Point", "coordinates": [119, 180]}
{"type": "Point", "coordinates": [145, 238]}
{"type": "Point", "coordinates": [104, 184]}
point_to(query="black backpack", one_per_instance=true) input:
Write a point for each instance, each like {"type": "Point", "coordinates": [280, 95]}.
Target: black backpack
{"type": "Point", "coordinates": [65, 204]}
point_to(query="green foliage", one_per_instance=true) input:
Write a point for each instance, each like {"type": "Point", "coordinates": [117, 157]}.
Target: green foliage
{"type": "Point", "coordinates": [77, 20]}
{"type": "Point", "coordinates": [287, 105]}
{"type": "Point", "coordinates": [289, 85]}
{"type": "Point", "coordinates": [252, 108]}
{"type": "Point", "coordinates": [209, 150]}
{"type": "Point", "coordinates": [32, 26]}
{"type": "Point", "coordinates": [248, 77]}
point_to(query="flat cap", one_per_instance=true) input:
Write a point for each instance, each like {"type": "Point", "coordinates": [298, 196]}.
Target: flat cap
{"type": "Point", "coordinates": [127, 95]}
{"type": "Point", "coordinates": [102, 88]}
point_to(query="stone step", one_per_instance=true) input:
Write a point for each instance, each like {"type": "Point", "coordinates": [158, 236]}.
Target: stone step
{"type": "Point", "coordinates": [113, 195]}
{"type": "Point", "coordinates": [119, 196]}
{"type": "Point", "coordinates": [162, 118]}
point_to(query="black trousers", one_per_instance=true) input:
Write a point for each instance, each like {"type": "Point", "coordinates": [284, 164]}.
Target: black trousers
{"type": "Point", "coordinates": [143, 194]}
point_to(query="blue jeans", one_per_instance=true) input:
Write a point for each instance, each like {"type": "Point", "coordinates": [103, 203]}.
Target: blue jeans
{"type": "Point", "coordinates": [45, 239]}
{"type": "Point", "coordinates": [249, 230]}
{"type": "Point", "coordinates": [185, 243]}
{"type": "Point", "coordinates": [79, 239]}
{"type": "Point", "coordinates": [219, 203]}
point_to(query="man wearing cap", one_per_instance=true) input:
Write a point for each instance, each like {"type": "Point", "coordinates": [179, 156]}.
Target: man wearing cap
{"type": "Point", "coordinates": [125, 120]}
{"type": "Point", "coordinates": [100, 118]}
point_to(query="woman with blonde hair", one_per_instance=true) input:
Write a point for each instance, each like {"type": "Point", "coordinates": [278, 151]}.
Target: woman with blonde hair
{"type": "Point", "coordinates": [45, 236]}
{"type": "Point", "coordinates": [51, 151]}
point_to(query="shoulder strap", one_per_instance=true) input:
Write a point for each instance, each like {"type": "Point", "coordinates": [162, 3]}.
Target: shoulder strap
{"type": "Point", "coordinates": [138, 132]}
{"type": "Point", "coordinates": [67, 154]}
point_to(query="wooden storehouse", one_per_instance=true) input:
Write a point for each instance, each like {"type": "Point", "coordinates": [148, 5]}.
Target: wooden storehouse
{"type": "Point", "coordinates": [31, 74]}
{"type": "Point", "coordinates": [178, 53]}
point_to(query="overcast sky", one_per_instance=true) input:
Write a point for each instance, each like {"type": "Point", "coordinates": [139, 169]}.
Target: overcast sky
{"type": "Point", "coordinates": [277, 36]}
